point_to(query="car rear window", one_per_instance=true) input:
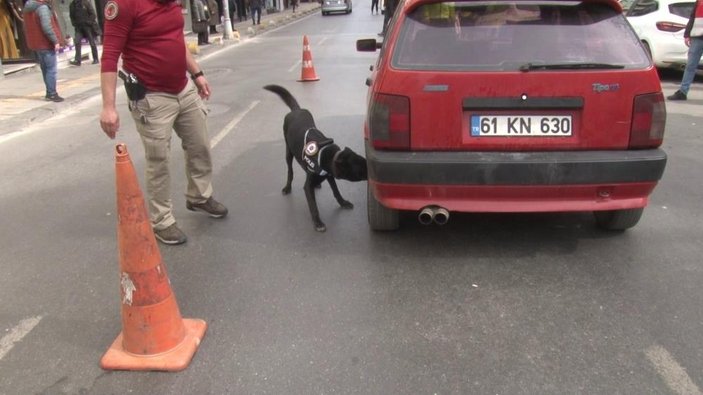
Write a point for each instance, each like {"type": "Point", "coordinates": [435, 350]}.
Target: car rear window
{"type": "Point", "coordinates": [506, 36]}
{"type": "Point", "coordinates": [681, 9]}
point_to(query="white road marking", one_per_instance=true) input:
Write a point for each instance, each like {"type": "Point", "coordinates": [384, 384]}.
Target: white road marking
{"type": "Point", "coordinates": [322, 41]}
{"type": "Point", "coordinates": [675, 376]}
{"type": "Point", "coordinates": [295, 66]}
{"type": "Point", "coordinates": [16, 334]}
{"type": "Point", "coordinates": [228, 128]}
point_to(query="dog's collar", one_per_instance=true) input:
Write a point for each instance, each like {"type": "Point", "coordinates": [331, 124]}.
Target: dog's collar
{"type": "Point", "coordinates": [334, 163]}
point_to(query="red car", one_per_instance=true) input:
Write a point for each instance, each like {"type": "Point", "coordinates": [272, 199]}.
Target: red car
{"type": "Point", "coordinates": [512, 106]}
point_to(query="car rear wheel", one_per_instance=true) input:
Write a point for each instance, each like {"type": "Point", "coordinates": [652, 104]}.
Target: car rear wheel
{"type": "Point", "coordinates": [618, 219]}
{"type": "Point", "coordinates": [380, 217]}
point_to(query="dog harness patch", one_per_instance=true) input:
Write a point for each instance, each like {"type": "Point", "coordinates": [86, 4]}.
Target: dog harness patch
{"type": "Point", "coordinates": [314, 144]}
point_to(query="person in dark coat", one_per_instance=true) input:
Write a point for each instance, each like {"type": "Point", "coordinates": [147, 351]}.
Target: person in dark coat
{"type": "Point", "coordinates": [232, 9]}
{"type": "Point", "coordinates": [200, 21]}
{"type": "Point", "coordinates": [85, 23]}
{"type": "Point", "coordinates": [241, 10]}
{"type": "Point", "coordinates": [389, 9]}
{"type": "Point", "coordinates": [214, 10]}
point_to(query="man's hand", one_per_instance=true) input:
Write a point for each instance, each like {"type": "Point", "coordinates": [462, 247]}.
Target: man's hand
{"type": "Point", "coordinates": [203, 87]}
{"type": "Point", "coordinates": [109, 119]}
{"type": "Point", "coordinates": [57, 47]}
{"type": "Point", "coordinates": [110, 122]}
{"type": "Point", "coordinates": [687, 40]}
{"type": "Point", "coordinates": [200, 82]}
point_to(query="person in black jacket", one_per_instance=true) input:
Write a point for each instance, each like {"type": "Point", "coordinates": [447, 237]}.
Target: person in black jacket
{"type": "Point", "coordinates": [388, 10]}
{"type": "Point", "coordinates": [694, 41]}
{"type": "Point", "coordinates": [241, 10]}
{"type": "Point", "coordinates": [83, 20]}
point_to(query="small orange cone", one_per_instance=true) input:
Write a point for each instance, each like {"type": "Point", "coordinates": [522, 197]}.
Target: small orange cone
{"type": "Point", "coordinates": [308, 71]}
{"type": "Point", "coordinates": [154, 336]}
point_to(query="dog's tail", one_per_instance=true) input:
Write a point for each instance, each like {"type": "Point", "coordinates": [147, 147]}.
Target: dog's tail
{"type": "Point", "coordinates": [285, 96]}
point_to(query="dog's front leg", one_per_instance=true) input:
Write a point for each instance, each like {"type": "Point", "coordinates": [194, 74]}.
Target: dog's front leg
{"type": "Point", "coordinates": [289, 162]}
{"type": "Point", "coordinates": [312, 204]}
{"type": "Point", "coordinates": [337, 195]}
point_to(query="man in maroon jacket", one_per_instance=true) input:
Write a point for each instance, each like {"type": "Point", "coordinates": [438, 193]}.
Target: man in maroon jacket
{"type": "Point", "coordinates": [44, 38]}
{"type": "Point", "coordinates": [148, 34]}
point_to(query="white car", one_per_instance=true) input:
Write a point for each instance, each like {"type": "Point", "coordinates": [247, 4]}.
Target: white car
{"type": "Point", "coordinates": [330, 6]}
{"type": "Point", "coordinates": [660, 25]}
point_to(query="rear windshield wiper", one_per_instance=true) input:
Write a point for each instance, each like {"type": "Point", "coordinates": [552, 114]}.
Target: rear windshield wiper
{"type": "Point", "coordinates": [569, 66]}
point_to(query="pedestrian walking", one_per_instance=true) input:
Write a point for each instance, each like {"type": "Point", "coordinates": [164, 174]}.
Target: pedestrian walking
{"type": "Point", "coordinates": [294, 4]}
{"type": "Point", "coordinates": [255, 12]}
{"type": "Point", "coordinates": [242, 10]}
{"type": "Point", "coordinates": [232, 5]}
{"type": "Point", "coordinates": [200, 21]}
{"type": "Point", "coordinates": [374, 4]}
{"type": "Point", "coordinates": [148, 36]}
{"type": "Point", "coordinates": [44, 37]}
{"type": "Point", "coordinates": [86, 26]}
{"type": "Point", "coordinates": [388, 10]}
{"type": "Point", "coordinates": [693, 36]}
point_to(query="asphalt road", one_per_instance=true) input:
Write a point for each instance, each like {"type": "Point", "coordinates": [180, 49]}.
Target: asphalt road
{"type": "Point", "coordinates": [488, 304]}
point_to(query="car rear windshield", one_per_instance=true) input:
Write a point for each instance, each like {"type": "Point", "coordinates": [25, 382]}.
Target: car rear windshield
{"type": "Point", "coordinates": [682, 9]}
{"type": "Point", "coordinates": [509, 36]}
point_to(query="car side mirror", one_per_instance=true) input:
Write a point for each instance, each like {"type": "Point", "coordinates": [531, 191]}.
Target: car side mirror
{"type": "Point", "coordinates": [367, 45]}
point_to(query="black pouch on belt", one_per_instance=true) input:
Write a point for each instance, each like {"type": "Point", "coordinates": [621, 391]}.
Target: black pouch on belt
{"type": "Point", "coordinates": [135, 90]}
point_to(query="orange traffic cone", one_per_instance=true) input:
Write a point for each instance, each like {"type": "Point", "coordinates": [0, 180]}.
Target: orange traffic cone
{"type": "Point", "coordinates": [308, 71]}
{"type": "Point", "coordinates": [154, 336]}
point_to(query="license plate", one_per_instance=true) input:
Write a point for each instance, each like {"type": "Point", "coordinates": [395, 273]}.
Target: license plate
{"type": "Point", "coordinates": [521, 126]}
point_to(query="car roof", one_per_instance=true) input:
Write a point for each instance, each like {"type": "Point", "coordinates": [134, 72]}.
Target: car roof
{"type": "Point", "coordinates": [410, 5]}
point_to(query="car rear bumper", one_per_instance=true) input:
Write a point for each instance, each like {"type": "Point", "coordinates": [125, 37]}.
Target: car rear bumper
{"type": "Point", "coordinates": [335, 8]}
{"type": "Point", "coordinates": [515, 182]}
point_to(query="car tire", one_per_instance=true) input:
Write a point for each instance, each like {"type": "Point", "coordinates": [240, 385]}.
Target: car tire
{"type": "Point", "coordinates": [618, 219]}
{"type": "Point", "coordinates": [380, 217]}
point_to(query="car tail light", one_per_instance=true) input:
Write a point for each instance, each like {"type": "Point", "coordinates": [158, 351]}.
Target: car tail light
{"type": "Point", "coordinates": [648, 120]}
{"type": "Point", "coordinates": [389, 122]}
{"type": "Point", "coordinates": [671, 27]}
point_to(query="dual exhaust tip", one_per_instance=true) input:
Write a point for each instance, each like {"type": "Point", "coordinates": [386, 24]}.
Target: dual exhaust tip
{"type": "Point", "coordinates": [436, 214]}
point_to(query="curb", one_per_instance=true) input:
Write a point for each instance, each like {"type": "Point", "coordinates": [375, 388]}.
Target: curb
{"type": "Point", "coordinates": [48, 111]}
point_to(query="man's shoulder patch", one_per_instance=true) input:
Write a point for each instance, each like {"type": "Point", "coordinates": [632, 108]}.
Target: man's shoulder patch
{"type": "Point", "coordinates": [111, 10]}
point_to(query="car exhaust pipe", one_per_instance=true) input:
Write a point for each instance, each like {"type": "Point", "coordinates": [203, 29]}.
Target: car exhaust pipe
{"type": "Point", "coordinates": [426, 216]}
{"type": "Point", "coordinates": [436, 214]}
{"type": "Point", "coordinates": [441, 216]}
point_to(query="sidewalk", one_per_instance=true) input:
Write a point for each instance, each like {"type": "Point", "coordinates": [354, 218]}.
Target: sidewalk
{"type": "Point", "coordinates": [22, 89]}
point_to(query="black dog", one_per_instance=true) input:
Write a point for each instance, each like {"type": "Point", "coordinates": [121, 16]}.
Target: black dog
{"type": "Point", "coordinates": [317, 154]}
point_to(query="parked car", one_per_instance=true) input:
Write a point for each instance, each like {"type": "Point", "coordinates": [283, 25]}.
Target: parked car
{"type": "Point", "coordinates": [330, 6]}
{"type": "Point", "coordinates": [626, 4]}
{"type": "Point", "coordinates": [660, 25]}
{"type": "Point", "coordinates": [512, 106]}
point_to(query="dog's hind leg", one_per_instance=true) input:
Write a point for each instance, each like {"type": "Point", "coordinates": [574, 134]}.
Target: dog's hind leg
{"type": "Point", "coordinates": [312, 204]}
{"type": "Point", "coordinates": [337, 195]}
{"type": "Point", "coordinates": [289, 162]}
